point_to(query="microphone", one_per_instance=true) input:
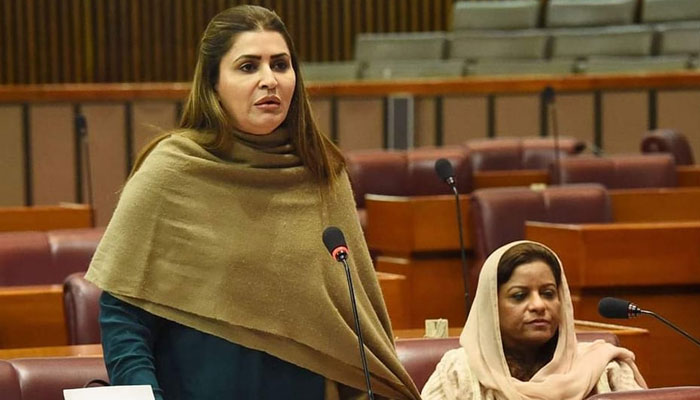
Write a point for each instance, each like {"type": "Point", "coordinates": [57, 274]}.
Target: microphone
{"type": "Point", "coordinates": [548, 99]}
{"type": "Point", "coordinates": [81, 131]}
{"type": "Point", "coordinates": [611, 307]}
{"type": "Point", "coordinates": [334, 240]}
{"type": "Point", "coordinates": [444, 170]}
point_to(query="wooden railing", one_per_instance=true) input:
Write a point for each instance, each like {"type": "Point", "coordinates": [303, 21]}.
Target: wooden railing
{"type": "Point", "coordinates": [467, 85]}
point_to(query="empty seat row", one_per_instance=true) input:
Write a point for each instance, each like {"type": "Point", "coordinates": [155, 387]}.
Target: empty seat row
{"type": "Point", "coordinates": [631, 40]}
{"type": "Point", "coordinates": [526, 14]}
{"type": "Point", "coordinates": [583, 50]}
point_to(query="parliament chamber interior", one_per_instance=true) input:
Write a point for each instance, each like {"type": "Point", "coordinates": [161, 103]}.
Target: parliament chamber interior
{"type": "Point", "coordinates": [574, 123]}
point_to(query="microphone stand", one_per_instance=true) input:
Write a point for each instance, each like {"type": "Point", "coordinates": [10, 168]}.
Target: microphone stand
{"type": "Point", "coordinates": [85, 148]}
{"type": "Point", "coordinates": [451, 181]}
{"type": "Point", "coordinates": [669, 324]}
{"type": "Point", "coordinates": [342, 257]}
{"type": "Point", "coordinates": [552, 112]}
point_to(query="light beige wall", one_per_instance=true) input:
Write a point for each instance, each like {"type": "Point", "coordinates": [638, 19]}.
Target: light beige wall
{"type": "Point", "coordinates": [424, 122]}
{"type": "Point", "coordinates": [11, 157]}
{"type": "Point", "coordinates": [517, 115]}
{"type": "Point", "coordinates": [680, 110]}
{"type": "Point", "coordinates": [107, 144]}
{"type": "Point", "coordinates": [464, 118]}
{"type": "Point", "coordinates": [52, 139]}
{"type": "Point", "coordinates": [625, 120]}
{"type": "Point", "coordinates": [148, 120]}
{"type": "Point", "coordinates": [360, 123]}
{"type": "Point", "coordinates": [575, 116]}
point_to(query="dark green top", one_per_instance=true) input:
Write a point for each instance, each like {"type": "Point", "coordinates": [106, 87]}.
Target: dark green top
{"type": "Point", "coordinates": [183, 363]}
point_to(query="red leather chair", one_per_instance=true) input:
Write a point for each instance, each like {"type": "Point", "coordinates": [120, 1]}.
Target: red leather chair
{"type": "Point", "coordinates": [619, 172]}
{"type": "Point", "coordinates": [668, 141]}
{"type": "Point", "coordinates": [519, 153]}
{"type": "Point", "coordinates": [41, 258]}
{"type": "Point", "coordinates": [46, 378]}
{"type": "Point", "coordinates": [82, 310]}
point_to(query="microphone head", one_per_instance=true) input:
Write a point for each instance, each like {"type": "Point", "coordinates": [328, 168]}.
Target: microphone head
{"type": "Point", "coordinates": [611, 307]}
{"type": "Point", "coordinates": [444, 169]}
{"type": "Point", "coordinates": [548, 94]}
{"type": "Point", "coordinates": [334, 240]}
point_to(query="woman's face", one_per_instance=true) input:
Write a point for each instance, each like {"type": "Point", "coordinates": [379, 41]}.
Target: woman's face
{"type": "Point", "coordinates": [529, 306]}
{"type": "Point", "coordinates": [256, 81]}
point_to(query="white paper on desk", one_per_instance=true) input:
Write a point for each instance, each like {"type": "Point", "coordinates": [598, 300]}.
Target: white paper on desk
{"type": "Point", "coordinates": [135, 392]}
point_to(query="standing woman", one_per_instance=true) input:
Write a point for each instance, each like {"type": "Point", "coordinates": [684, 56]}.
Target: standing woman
{"type": "Point", "coordinates": [519, 340]}
{"type": "Point", "coordinates": [216, 282]}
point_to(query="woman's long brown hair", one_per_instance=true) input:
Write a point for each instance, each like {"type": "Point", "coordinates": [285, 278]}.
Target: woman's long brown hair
{"type": "Point", "coordinates": [203, 112]}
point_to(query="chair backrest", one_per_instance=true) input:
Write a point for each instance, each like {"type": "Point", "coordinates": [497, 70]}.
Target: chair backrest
{"type": "Point", "coordinates": [619, 172]}
{"type": "Point", "coordinates": [499, 214]}
{"type": "Point", "coordinates": [678, 38]}
{"type": "Point", "coordinates": [669, 141]}
{"type": "Point", "coordinates": [421, 356]}
{"type": "Point", "coordinates": [495, 154]}
{"type": "Point", "coordinates": [422, 178]}
{"type": "Point", "coordinates": [46, 378]}
{"type": "Point", "coordinates": [400, 69]}
{"type": "Point", "coordinates": [20, 254]}
{"type": "Point", "coordinates": [571, 13]}
{"type": "Point", "coordinates": [670, 10]}
{"type": "Point", "coordinates": [400, 46]}
{"type": "Point", "coordinates": [330, 71]}
{"type": "Point", "coordinates": [39, 258]}
{"type": "Point", "coordinates": [606, 41]}
{"type": "Point", "coordinates": [531, 44]}
{"type": "Point", "coordinates": [518, 153]}
{"type": "Point", "coordinates": [377, 172]}
{"type": "Point", "coordinates": [82, 309]}
{"type": "Point", "coordinates": [513, 14]}
{"type": "Point", "coordinates": [665, 393]}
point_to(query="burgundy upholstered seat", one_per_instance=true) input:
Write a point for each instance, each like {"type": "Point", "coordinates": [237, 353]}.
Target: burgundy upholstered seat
{"type": "Point", "coordinates": [40, 258]}
{"type": "Point", "coordinates": [81, 306]}
{"type": "Point", "coordinates": [45, 378]}
{"type": "Point", "coordinates": [669, 141]}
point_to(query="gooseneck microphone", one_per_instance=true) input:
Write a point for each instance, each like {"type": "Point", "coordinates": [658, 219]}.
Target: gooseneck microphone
{"type": "Point", "coordinates": [444, 170]}
{"type": "Point", "coordinates": [611, 307]}
{"type": "Point", "coordinates": [334, 240]}
{"type": "Point", "coordinates": [81, 130]}
{"type": "Point", "coordinates": [548, 99]}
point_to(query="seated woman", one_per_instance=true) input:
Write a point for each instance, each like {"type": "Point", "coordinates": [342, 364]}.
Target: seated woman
{"type": "Point", "coordinates": [519, 340]}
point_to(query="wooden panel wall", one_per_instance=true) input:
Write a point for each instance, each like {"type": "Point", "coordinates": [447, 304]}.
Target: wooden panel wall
{"type": "Point", "coordinates": [48, 41]}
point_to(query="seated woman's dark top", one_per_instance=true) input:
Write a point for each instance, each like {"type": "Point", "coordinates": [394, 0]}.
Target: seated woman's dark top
{"type": "Point", "coordinates": [183, 363]}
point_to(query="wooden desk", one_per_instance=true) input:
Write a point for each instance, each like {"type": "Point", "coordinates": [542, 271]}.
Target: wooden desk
{"type": "Point", "coordinates": [85, 350]}
{"type": "Point", "coordinates": [655, 265]}
{"type": "Point", "coordinates": [45, 218]}
{"type": "Point", "coordinates": [417, 237]}
{"type": "Point", "coordinates": [656, 205]}
{"type": "Point", "coordinates": [688, 175]}
{"type": "Point", "coordinates": [32, 316]}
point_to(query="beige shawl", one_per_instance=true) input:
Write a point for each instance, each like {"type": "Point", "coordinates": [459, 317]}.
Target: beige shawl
{"type": "Point", "coordinates": [574, 371]}
{"type": "Point", "coordinates": [232, 246]}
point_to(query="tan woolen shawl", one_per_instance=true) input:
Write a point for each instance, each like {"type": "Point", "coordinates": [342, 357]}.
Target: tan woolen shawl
{"type": "Point", "coordinates": [571, 374]}
{"type": "Point", "coordinates": [232, 246]}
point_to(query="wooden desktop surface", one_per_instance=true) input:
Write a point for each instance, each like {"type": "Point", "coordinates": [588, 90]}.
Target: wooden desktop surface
{"type": "Point", "coordinates": [655, 265]}
{"type": "Point", "coordinates": [45, 218]}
